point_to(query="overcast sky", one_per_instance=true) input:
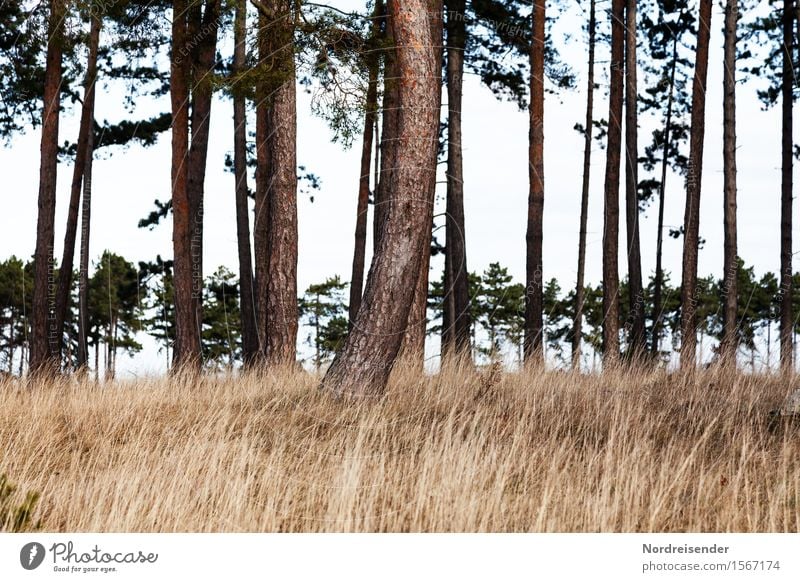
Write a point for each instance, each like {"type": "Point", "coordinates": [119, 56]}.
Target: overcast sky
{"type": "Point", "coordinates": [495, 176]}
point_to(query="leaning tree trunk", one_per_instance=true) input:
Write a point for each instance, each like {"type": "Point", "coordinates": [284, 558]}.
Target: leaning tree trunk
{"type": "Point", "coordinates": [186, 353]}
{"type": "Point", "coordinates": [659, 278]}
{"type": "Point", "coordinates": [786, 190]}
{"type": "Point", "coordinates": [691, 219]}
{"type": "Point", "coordinates": [611, 199]}
{"type": "Point", "coordinates": [246, 306]}
{"type": "Point", "coordinates": [413, 347]}
{"type": "Point", "coordinates": [83, 275]}
{"type": "Point", "coordinates": [636, 294]}
{"type": "Point", "coordinates": [370, 120]}
{"type": "Point", "coordinates": [580, 291]}
{"type": "Point", "coordinates": [44, 338]}
{"type": "Point", "coordinates": [281, 306]}
{"type": "Point", "coordinates": [534, 295]}
{"type": "Point", "coordinates": [363, 365]}
{"type": "Point", "coordinates": [728, 345]}
{"type": "Point", "coordinates": [456, 285]}
{"type": "Point", "coordinates": [81, 156]}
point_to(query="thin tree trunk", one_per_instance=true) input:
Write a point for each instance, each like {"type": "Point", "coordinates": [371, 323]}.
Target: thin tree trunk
{"type": "Point", "coordinates": [83, 277]}
{"type": "Point", "coordinates": [534, 296]}
{"type": "Point", "coordinates": [247, 307]}
{"type": "Point", "coordinates": [580, 291]}
{"type": "Point", "coordinates": [388, 142]}
{"type": "Point", "coordinates": [659, 279]}
{"type": "Point", "coordinates": [636, 295]}
{"type": "Point", "coordinates": [186, 354]}
{"type": "Point", "coordinates": [728, 345]}
{"type": "Point", "coordinates": [261, 218]}
{"type": "Point", "coordinates": [457, 284]}
{"type": "Point", "coordinates": [86, 128]}
{"type": "Point", "coordinates": [44, 334]}
{"type": "Point", "coordinates": [786, 189]}
{"type": "Point", "coordinates": [370, 121]}
{"type": "Point", "coordinates": [693, 183]}
{"type": "Point", "coordinates": [611, 198]}
{"type": "Point", "coordinates": [281, 307]}
{"type": "Point", "coordinates": [204, 34]}
{"type": "Point", "coordinates": [363, 365]}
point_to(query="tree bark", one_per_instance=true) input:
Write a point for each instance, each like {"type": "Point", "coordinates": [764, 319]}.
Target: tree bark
{"type": "Point", "coordinates": [636, 294]}
{"type": "Point", "coordinates": [83, 275]}
{"type": "Point", "coordinates": [691, 219]}
{"type": "Point", "coordinates": [44, 334]}
{"type": "Point", "coordinates": [363, 365]}
{"type": "Point", "coordinates": [388, 141]}
{"type": "Point", "coordinates": [611, 194]}
{"type": "Point", "coordinates": [728, 345]}
{"type": "Point", "coordinates": [659, 278]}
{"type": "Point", "coordinates": [370, 120]}
{"type": "Point", "coordinates": [81, 156]}
{"type": "Point", "coordinates": [786, 322]}
{"type": "Point", "coordinates": [281, 306]}
{"type": "Point", "coordinates": [587, 164]}
{"type": "Point", "coordinates": [247, 307]}
{"type": "Point", "coordinates": [456, 273]}
{"type": "Point", "coordinates": [534, 290]}
{"type": "Point", "coordinates": [186, 353]}
{"type": "Point", "coordinates": [261, 218]}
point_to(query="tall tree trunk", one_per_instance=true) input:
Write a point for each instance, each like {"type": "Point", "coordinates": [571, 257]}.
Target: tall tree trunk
{"type": "Point", "coordinates": [456, 287]}
{"type": "Point", "coordinates": [534, 295]}
{"type": "Point", "coordinates": [81, 156]}
{"type": "Point", "coordinates": [363, 365]}
{"type": "Point", "coordinates": [186, 354]}
{"type": "Point", "coordinates": [691, 219]}
{"type": "Point", "coordinates": [83, 276]}
{"type": "Point", "coordinates": [370, 121]}
{"type": "Point", "coordinates": [786, 189]}
{"type": "Point", "coordinates": [44, 334]}
{"type": "Point", "coordinates": [204, 34]}
{"type": "Point", "coordinates": [263, 100]}
{"type": "Point", "coordinates": [611, 198]}
{"type": "Point", "coordinates": [636, 295]}
{"type": "Point", "coordinates": [281, 306]}
{"type": "Point", "coordinates": [388, 141]}
{"type": "Point", "coordinates": [728, 346]}
{"type": "Point", "coordinates": [580, 291]}
{"type": "Point", "coordinates": [659, 278]}
{"type": "Point", "coordinates": [417, 325]}
{"type": "Point", "coordinates": [247, 307]}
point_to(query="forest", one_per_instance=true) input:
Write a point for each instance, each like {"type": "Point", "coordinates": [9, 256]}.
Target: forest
{"type": "Point", "coordinates": [474, 358]}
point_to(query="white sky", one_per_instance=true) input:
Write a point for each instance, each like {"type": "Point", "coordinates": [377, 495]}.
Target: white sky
{"type": "Point", "coordinates": [496, 188]}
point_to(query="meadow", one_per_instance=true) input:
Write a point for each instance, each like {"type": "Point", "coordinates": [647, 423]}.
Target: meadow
{"type": "Point", "coordinates": [461, 451]}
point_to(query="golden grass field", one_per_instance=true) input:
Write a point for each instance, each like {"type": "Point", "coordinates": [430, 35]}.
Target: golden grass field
{"type": "Point", "coordinates": [462, 451]}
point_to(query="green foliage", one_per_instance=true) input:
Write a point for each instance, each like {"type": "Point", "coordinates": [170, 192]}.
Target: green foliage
{"type": "Point", "coordinates": [323, 308]}
{"type": "Point", "coordinates": [17, 516]}
{"type": "Point", "coordinates": [222, 337]}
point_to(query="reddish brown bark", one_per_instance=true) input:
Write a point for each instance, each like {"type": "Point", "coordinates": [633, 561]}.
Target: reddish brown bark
{"type": "Point", "coordinates": [281, 306]}
{"type": "Point", "coordinates": [45, 340]}
{"type": "Point", "coordinates": [363, 365]}
{"type": "Point", "coordinates": [787, 321]}
{"type": "Point", "coordinates": [534, 296]}
{"type": "Point", "coordinates": [691, 218]}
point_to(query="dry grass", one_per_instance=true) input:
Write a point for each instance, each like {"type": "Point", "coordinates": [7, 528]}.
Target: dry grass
{"type": "Point", "coordinates": [522, 452]}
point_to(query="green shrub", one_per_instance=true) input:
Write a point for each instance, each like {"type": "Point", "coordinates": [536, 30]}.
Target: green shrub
{"type": "Point", "coordinates": [16, 516]}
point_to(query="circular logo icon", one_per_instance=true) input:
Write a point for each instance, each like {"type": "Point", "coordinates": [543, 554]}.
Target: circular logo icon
{"type": "Point", "coordinates": [32, 555]}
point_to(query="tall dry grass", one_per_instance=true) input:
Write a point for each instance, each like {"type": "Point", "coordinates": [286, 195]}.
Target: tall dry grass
{"type": "Point", "coordinates": [461, 451]}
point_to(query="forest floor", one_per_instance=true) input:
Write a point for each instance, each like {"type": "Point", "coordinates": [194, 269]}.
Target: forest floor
{"type": "Point", "coordinates": [461, 451]}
